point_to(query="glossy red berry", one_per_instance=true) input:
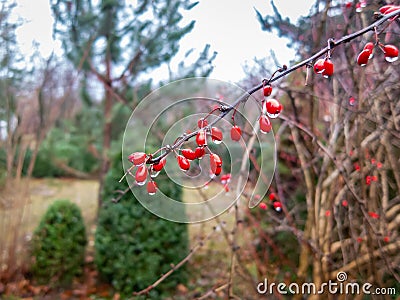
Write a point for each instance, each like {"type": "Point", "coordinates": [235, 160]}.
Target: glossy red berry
{"type": "Point", "coordinates": [277, 206]}
{"type": "Point", "coordinates": [262, 206]}
{"type": "Point", "coordinates": [391, 9]}
{"type": "Point", "coordinates": [201, 139]}
{"type": "Point", "coordinates": [216, 135]}
{"type": "Point", "coordinates": [267, 90]}
{"type": "Point", "coordinates": [273, 108]}
{"type": "Point", "coordinates": [225, 178]}
{"type": "Point", "coordinates": [319, 66]}
{"type": "Point", "coordinates": [391, 53]}
{"type": "Point", "coordinates": [215, 164]}
{"type": "Point", "coordinates": [141, 175]}
{"type": "Point", "coordinates": [160, 165]}
{"type": "Point", "coordinates": [386, 239]}
{"type": "Point", "coordinates": [189, 154]}
{"type": "Point", "coordinates": [352, 101]}
{"type": "Point", "coordinates": [363, 57]}
{"type": "Point", "coordinates": [272, 196]}
{"type": "Point", "coordinates": [370, 46]}
{"type": "Point", "coordinates": [200, 151]}
{"type": "Point", "coordinates": [202, 123]}
{"type": "Point", "coordinates": [265, 124]}
{"type": "Point", "coordinates": [368, 180]}
{"type": "Point", "coordinates": [385, 8]}
{"type": "Point", "coordinates": [327, 213]}
{"type": "Point", "coordinates": [137, 158]}
{"type": "Point", "coordinates": [151, 187]}
{"type": "Point", "coordinates": [328, 65]}
{"type": "Point", "coordinates": [236, 133]}
{"type": "Point", "coordinates": [218, 171]}
{"type": "Point", "coordinates": [183, 163]}
{"type": "Point", "coordinates": [345, 203]}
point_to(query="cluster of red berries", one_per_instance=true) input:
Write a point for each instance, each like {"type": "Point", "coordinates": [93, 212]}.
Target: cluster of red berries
{"type": "Point", "coordinates": [140, 160]}
{"type": "Point", "coordinates": [391, 53]}
{"type": "Point", "coordinates": [275, 203]}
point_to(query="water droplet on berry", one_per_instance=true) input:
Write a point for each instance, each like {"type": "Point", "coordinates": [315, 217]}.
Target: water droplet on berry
{"type": "Point", "coordinates": [391, 59]}
{"type": "Point", "coordinates": [154, 174]}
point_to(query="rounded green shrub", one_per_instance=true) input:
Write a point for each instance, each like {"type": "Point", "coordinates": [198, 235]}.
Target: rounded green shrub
{"type": "Point", "coordinates": [58, 245]}
{"type": "Point", "coordinates": [133, 246]}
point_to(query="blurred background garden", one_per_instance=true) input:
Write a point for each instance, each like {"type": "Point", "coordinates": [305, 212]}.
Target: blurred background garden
{"type": "Point", "coordinates": [63, 235]}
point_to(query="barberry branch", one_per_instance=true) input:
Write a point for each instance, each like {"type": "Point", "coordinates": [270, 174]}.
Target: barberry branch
{"type": "Point", "coordinates": [226, 108]}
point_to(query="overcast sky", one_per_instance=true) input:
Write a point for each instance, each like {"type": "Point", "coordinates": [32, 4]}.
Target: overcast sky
{"type": "Point", "coordinates": [229, 26]}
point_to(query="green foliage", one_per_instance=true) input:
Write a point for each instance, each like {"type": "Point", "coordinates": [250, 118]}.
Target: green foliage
{"type": "Point", "coordinates": [134, 247]}
{"type": "Point", "coordinates": [58, 245]}
{"type": "Point", "coordinates": [68, 144]}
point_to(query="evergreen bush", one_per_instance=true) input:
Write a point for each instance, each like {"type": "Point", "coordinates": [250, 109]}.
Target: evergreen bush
{"type": "Point", "coordinates": [58, 245]}
{"type": "Point", "coordinates": [133, 246]}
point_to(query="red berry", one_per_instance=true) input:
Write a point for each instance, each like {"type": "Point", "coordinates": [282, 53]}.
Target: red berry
{"type": "Point", "coordinates": [357, 166]}
{"type": "Point", "coordinates": [151, 187]}
{"type": "Point", "coordinates": [273, 108]}
{"type": "Point", "coordinates": [391, 9]}
{"type": "Point", "coordinates": [262, 206]}
{"type": "Point", "coordinates": [265, 124]}
{"type": "Point", "coordinates": [189, 154]}
{"type": "Point", "coordinates": [379, 165]}
{"type": "Point", "coordinates": [158, 166]}
{"type": "Point", "coordinates": [236, 133]}
{"type": "Point", "coordinates": [391, 53]}
{"type": "Point", "coordinates": [373, 215]}
{"type": "Point", "coordinates": [267, 90]}
{"type": "Point", "coordinates": [225, 178]}
{"type": "Point", "coordinates": [202, 123]}
{"type": "Point", "coordinates": [141, 175]}
{"type": "Point", "coordinates": [352, 101]}
{"type": "Point", "coordinates": [386, 239]}
{"type": "Point", "coordinates": [201, 138]}
{"type": "Point", "coordinates": [370, 46]}
{"type": "Point", "coordinates": [358, 7]}
{"type": "Point", "coordinates": [216, 135]}
{"type": "Point", "coordinates": [199, 152]}
{"type": "Point", "coordinates": [215, 163]}
{"type": "Point", "coordinates": [385, 8]}
{"type": "Point", "coordinates": [183, 163]}
{"type": "Point", "coordinates": [345, 203]}
{"type": "Point", "coordinates": [277, 206]}
{"type": "Point", "coordinates": [319, 66]}
{"type": "Point", "coordinates": [328, 65]}
{"type": "Point", "coordinates": [359, 239]}
{"type": "Point", "coordinates": [218, 171]}
{"type": "Point", "coordinates": [272, 196]}
{"type": "Point", "coordinates": [349, 4]}
{"type": "Point", "coordinates": [374, 178]}
{"type": "Point", "coordinates": [368, 180]}
{"type": "Point", "coordinates": [327, 213]}
{"type": "Point", "coordinates": [137, 158]}
{"type": "Point", "coordinates": [363, 57]}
